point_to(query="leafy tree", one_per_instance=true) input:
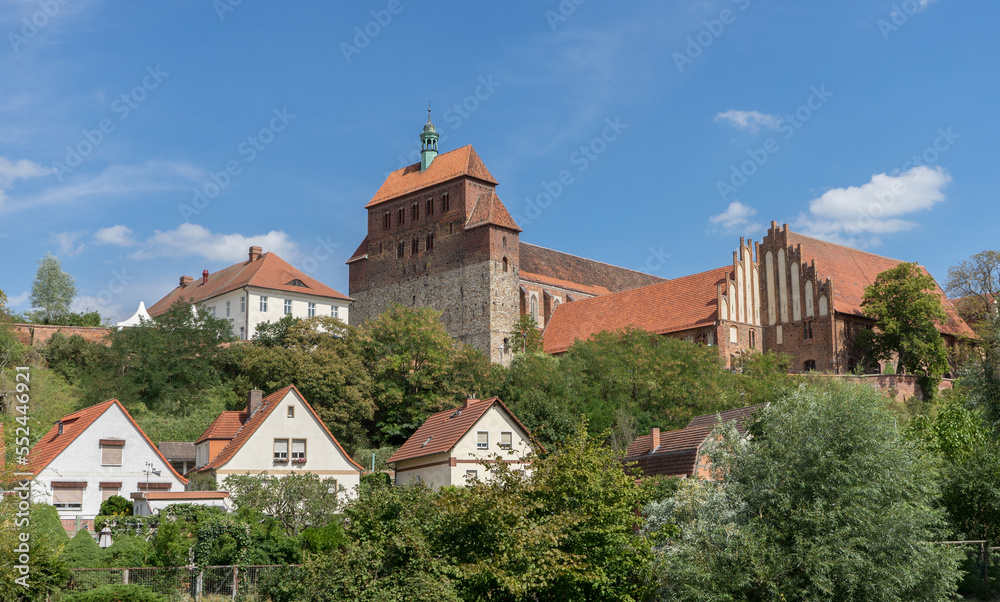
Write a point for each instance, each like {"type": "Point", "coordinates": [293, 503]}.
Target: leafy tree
{"type": "Point", "coordinates": [82, 552]}
{"type": "Point", "coordinates": [296, 501]}
{"type": "Point", "coordinates": [537, 393]}
{"type": "Point", "coordinates": [116, 505]}
{"type": "Point", "coordinates": [975, 282]}
{"type": "Point", "coordinates": [10, 348]}
{"type": "Point", "coordinates": [273, 335]}
{"type": "Point", "coordinates": [526, 337]}
{"type": "Point", "coordinates": [53, 290]}
{"type": "Point", "coordinates": [905, 306]}
{"type": "Point", "coordinates": [826, 501]}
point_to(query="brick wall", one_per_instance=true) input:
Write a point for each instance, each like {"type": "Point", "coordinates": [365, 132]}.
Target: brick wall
{"type": "Point", "coordinates": [39, 334]}
{"type": "Point", "coordinates": [901, 387]}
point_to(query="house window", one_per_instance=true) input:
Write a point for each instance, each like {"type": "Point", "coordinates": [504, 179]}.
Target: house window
{"type": "Point", "coordinates": [291, 411]}
{"type": "Point", "coordinates": [415, 211]}
{"type": "Point", "coordinates": [506, 440]}
{"type": "Point", "coordinates": [281, 450]}
{"type": "Point", "coordinates": [243, 304]}
{"type": "Point", "coordinates": [400, 250]}
{"type": "Point", "coordinates": [227, 308]}
{"type": "Point", "coordinates": [471, 475]}
{"type": "Point", "coordinates": [386, 220]}
{"type": "Point", "coordinates": [807, 330]}
{"type": "Point", "coordinates": [213, 311]}
{"type": "Point", "coordinates": [298, 451]}
{"type": "Point", "coordinates": [444, 202]}
{"type": "Point", "coordinates": [401, 216]}
{"type": "Point", "coordinates": [243, 334]}
{"type": "Point", "coordinates": [430, 206]}
{"type": "Point", "coordinates": [505, 264]}
{"type": "Point", "coordinates": [311, 310]}
{"type": "Point", "coordinates": [288, 307]}
{"type": "Point", "coordinates": [809, 366]}
{"type": "Point", "coordinates": [482, 440]}
{"type": "Point", "coordinates": [111, 452]}
{"type": "Point", "coordinates": [430, 242]}
{"type": "Point", "coordinates": [68, 496]}
{"type": "Point", "coordinates": [414, 246]}
{"type": "Point", "coordinates": [263, 303]}
{"type": "Point", "coordinates": [109, 489]}
{"type": "Point", "coordinates": [333, 311]}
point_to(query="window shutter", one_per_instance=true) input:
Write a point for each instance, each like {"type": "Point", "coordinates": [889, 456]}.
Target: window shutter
{"type": "Point", "coordinates": [66, 496]}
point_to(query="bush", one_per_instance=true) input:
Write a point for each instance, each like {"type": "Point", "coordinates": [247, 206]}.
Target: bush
{"type": "Point", "coordinates": [82, 552]}
{"type": "Point", "coordinates": [116, 593]}
{"type": "Point", "coordinates": [116, 505]}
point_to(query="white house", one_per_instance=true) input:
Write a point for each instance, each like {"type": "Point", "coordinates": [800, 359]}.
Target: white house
{"type": "Point", "coordinates": [154, 501]}
{"type": "Point", "coordinates": [279, 435]}
{"type": "Point", "coordinates": [265, 288]}
{"type": "Point", "coordinates": [95, 453]}
{"type": "Point", "coordinates": [449, 447]}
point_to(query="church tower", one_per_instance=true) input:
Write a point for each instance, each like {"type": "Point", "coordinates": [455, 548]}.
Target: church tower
{"type": "Point", "coordinates": [439, 236]}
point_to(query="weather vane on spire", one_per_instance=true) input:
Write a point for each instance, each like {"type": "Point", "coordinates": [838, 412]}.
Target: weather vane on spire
{"type": "Point", "coordinates": [428, 109]}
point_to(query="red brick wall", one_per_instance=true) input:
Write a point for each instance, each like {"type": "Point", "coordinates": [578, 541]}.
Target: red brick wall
{"type": "Point", "coordinates": [38, 334]}
{"type": "Point", "coordinates": [900, 387]}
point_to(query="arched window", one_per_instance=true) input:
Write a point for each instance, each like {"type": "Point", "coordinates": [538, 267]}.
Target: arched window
{"type": "Point", "coordinates": [505, 242]}
{"type": "Point", "coordinates": [505, 264]}
{"type": "Point", "coordinates": [429, 246]}
{"type": "Point", "coordinates": [534, 307]}
{"type": "Point", "coordinates": [400, 249]}
{"type": "Point", "coordinates": [414, 247]}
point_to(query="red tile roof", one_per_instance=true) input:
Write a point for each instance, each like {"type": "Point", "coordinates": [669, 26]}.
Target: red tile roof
{"type": "Point", "coordinates": [564, 284]}
{"type": "Point", "coordinates": [570, 268]}
{"type": "Point", "coordinates": [361, 252]}
{"type": "Point", "coordinates": [670, 306]}
{"type": "Point", "coordinates": [268, 271]}
{"type": "Point", "coordinates": [52, 444]}
{"type": "Point", "coordinates": [447, 166]}
{"type": "Point", "coordinates": [225, 426]}
{"type": "Point", "coordinates": [489, 210]}
{"type": "Point", "coordinates": [248, 428]}
{"type": "Point", "coordinates": [187, 495]}
{"type": "Point", "coordinates": [441, 431]}
{"type": "Point", "coordinates": [852, 270]}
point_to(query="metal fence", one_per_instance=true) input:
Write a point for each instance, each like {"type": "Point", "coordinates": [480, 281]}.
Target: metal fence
{"type": "Point", "coordinates": [186, 583]}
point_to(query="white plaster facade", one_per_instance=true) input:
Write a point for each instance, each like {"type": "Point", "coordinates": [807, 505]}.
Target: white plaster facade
{"type": "Point", "coordinates": [81, 461]}
{"type": "Point", "coordinates": [452, 467]}
{"type": "Point", "coordinates": [242, 308]}
{"type": "Point", "coordinates": [323, 455]}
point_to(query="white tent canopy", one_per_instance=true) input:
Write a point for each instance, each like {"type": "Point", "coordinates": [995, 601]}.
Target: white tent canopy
{"type": "Point", "coordinates": [140, 314]}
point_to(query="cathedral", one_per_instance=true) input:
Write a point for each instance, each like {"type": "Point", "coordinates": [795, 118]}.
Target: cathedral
{"type": "Point", "coordinates": [439, 236]}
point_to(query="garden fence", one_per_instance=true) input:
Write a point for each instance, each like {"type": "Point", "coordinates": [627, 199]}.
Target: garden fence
{"type": "Point", "coordinates": [185, 583]}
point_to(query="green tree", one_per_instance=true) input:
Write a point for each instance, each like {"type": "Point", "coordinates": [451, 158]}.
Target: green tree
{"type": "Point", "coordinates": [82, 552]}
{"type": "Point", "coordinates": [53, 290]}
{"type": "Point", "coordinates": [47, 539]}
{"type": "Point", "coordinates": [116, 505]}
{"type": "Point", "coordinates": [537, 393]}
{"type": "Point", "coordinates": [826, 501]}
{"type": "Point", "coordinates": [975, 282]}
{"type": "Point", "coordinates": [10, 348]}
{"type": "Point", "coordinates": [906, 308]}
{"type": "Point", "coordinates": [295, 501]}
{"type": "Point", "coordinates": [526, 337]}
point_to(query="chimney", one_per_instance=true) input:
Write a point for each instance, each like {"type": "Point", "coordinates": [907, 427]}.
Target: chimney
{"type": "Point", "coordinates": [254, 398]}
{"type": "Point", "coordinates": [204, 277]}
{"type": "Point", "coordinates": [254, 253]}
{"type": "Point", "coordinates": [465, 403]}
{"type": "Point", "coordinates": [654, 439]}
{"type": "Point", "coordinates": [186, 280]}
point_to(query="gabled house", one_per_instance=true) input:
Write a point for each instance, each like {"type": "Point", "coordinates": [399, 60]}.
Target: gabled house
{"type": "Point", "coordinates": [680, 453]}
{"type": "Point", "coordinates": [450, 446]}
{"type": "Point", "coordinates": [265, 288]}
{"type": "Point", "coordinates": [279, 434]}
{"type": "Point", "coordinates": [92, 454]}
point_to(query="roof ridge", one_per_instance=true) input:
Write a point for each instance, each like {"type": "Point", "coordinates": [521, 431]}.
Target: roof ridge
{"type": "Point", "coordinates": [856, 250]}
{"type": "Point", "coordinates": [595, 261]}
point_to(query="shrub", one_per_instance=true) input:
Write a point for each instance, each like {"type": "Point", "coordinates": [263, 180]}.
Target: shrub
{"type": "Point", "coordinates": [116, 593]}
{"type": "Point", "coordinates": [116, 505]}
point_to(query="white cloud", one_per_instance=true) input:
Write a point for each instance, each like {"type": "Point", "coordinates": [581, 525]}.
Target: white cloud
{"type": "Point", "coordinates": [751, 121]}
{"type": "Point", "coordinates": [193, 239]}
{"type": "Point", "coordinates": [736, 218]}
{"type": "Point", "coordinates": [18, 301]}
{"type": "Point", "coordinates": [119, 236]}
{"type": "Point", "coordinates": [67, 242]}
{"type": "Point", "coordinates": [859, 214]}
{"type": "Point", "coordinates": [18, 170]}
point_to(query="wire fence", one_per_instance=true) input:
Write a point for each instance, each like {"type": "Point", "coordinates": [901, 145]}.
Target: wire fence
{"type": "Point", "coordinates": [188, 583]}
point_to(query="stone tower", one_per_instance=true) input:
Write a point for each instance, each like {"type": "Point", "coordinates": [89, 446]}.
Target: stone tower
{"type": "Point", "coordinates": [439, 237]}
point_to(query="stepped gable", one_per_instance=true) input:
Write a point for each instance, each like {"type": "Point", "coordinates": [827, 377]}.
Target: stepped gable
{"type": "Point", "coordinates": [665, 307]}
{"type": "Point", "coordinates": [490, 211]}
{"type": "Point", "coordinates": [852, 270]}
{"type": "Point", "coordinates": [563, 266]}
{"type": "Point", "coordinates": [447, 166]}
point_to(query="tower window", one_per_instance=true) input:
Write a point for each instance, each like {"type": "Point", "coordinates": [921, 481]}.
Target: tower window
{"type": "Point", "coordinates": [400, 249]}
{"type": "Point", "coordinates": [416, 211]}
{"type": "Point", "coordinates": [753, 339]}
{"type": "Point", "coordinates": [430, 206]}
{"type": "Point", "coordinates": [534, 307]}
{"type": "Point", "coordinates": [809, 366]}
{"type": "Point", "coordinates": [414, 246]}
{"type": "Point", "coordinates": [386, 220]}
{"type": "Point", "coordinates": [444, 202]}
{"type": "Point", "coordinates": [430, 242]}
{"type": "Point", "coordinates": [401, 218]}
{"type": "Point", "coordinates": [505, 264]}
{"type": "Point", "coordinates": [505, 242]}
{"type": "Point", "coordinates": [807, 330]}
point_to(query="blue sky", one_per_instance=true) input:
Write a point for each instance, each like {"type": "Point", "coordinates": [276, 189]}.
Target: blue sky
{"type": "Point", "coordinates": [674, 127]}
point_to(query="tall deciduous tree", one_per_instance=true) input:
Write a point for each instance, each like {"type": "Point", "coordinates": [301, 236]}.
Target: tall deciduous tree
{"type": "Point", "coordinates": [975, 282]}
{"type": "Point", "coordinates": [906, 308]}
{"type": "Point", "coordinates": [53, 290]}
{"type": "Point", "coordinates": [526, 337]}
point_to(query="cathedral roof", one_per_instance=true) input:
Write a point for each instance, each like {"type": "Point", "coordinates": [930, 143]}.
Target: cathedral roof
{"type": "Point", "coordinates": [665, 307]}
{"type": "Point", "coordinates": [490, 211]}
{"type": "Point", "coordinates": [447, 166]}
{"type": "Point", "coordinates": [570, 268]}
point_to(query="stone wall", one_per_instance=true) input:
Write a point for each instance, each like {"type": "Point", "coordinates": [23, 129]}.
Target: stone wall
{"type": "Point", "coordinates": [901, 387]}
{"type": "Point", "coordinates": [39, 334]}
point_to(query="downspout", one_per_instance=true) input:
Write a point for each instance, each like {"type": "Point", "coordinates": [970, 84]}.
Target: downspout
{"type": "Point", "coordinates": [246, 315]}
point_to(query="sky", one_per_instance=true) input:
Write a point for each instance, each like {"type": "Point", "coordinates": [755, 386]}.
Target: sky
{"type": "Point", "coordinates": [142, 141]}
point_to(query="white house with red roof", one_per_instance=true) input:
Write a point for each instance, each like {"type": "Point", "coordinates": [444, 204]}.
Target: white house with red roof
{"type": "Point", "coordinates": [265, 288]}
{"type": "Point", "coordinates": [450, 447]}
{"type": "Point", "coordinates": [92, 454]}
{"type": "Point", "coordinates": [279, 434]}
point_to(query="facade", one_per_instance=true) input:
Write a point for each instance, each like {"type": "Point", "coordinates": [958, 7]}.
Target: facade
{"type": "Point", "coordinates": [95, 453]}
{"type": "Point", "coordinates": [279, 435]}
{"type": "Point", "coordinates": [680, 453]}
{"type": "Point", "coordinates": [811, 293]}
{"type": "Point", "coordinates": [439, 236]}
{"type": "Point", "coordinates": [154, 501]}
{"type": "Point", "coordinates": [450, 447]}
{"type": "Point", "coordinates": [265, 288]}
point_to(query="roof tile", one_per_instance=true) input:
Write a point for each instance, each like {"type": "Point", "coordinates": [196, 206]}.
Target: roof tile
{"type": "Point", "coordinates": [446, 166]}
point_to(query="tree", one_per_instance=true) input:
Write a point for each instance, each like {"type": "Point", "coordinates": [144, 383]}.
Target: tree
{"type": "Point", "coordinates": [116, 505]}
{"type": "Point", "coordinates": [10, 347]}
{"type": "Point", "coordinates": [295, 501]}
{"type": "Point", "coordinates": [82, 552]}
{"type": "Point", "coordinates": [53, 290]}
{"type": "Point", "coordinates": [975, 282]}
{"type": "Point", "coordinates": [827, 500]}
{"type": "Point", "coordinates": [526, 337]}
{"type": "Point", "coordinates": [906, 308]}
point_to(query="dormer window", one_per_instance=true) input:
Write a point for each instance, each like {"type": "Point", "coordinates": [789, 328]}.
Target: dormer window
{"type": "Point", "coordinates": [428, 441]}
{"type": "Point", "coordinates": [60, 427]}
{"type": "Point", "coordinates": [297, 282]}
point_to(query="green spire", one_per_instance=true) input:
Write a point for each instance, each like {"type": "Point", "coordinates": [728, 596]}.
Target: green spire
{"type": "Point", "coordinates": [428, 142]}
